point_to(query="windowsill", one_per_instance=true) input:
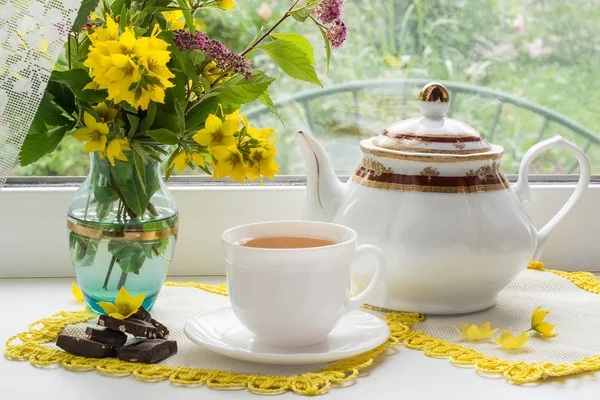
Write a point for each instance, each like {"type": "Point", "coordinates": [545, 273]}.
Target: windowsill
{"type": "Point", "coordinates": [407, 373]}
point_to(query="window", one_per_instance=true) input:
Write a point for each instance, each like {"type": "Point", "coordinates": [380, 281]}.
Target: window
{"type": "Point", "coordinates": [540, 57]}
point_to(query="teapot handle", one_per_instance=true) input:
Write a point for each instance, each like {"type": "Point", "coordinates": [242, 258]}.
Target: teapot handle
{"type": "Point", "coordinates": [523, 190]}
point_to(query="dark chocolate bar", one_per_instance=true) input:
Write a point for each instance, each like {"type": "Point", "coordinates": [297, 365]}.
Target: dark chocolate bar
{"type": "Point", "coordinates": [107, 336]}
{"type": "Point", "coordinates": [85, 347]}
{"type": "Point", "coordinates": [142, 314]}
{"type": "Point", "coordinates": [148, 351]}
{"type": "Point", "coordinates": [161, 330]}
{"type": "Point", "coordinates": [134, 327]}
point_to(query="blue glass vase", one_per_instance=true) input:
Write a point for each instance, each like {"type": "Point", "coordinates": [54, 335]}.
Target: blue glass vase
{"type": "Point", "coordinates": [123, 226]}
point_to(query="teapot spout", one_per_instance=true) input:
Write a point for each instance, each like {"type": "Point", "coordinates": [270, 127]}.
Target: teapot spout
{"type": "Point", "coordinates": [324, 191]}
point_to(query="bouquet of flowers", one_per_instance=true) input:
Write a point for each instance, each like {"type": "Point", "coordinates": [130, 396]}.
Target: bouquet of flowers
{"type": "Point", "coordinates": [143, 84]}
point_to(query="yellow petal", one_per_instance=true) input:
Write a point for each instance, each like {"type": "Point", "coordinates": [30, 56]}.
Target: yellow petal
{"type": "Point", "coordinates": [82, 134]}
{"type": "Point", "coordinates": [508, 341]}
{"type": "Point", "coordinates": [213, 123]}
{"type": "Point", "coordinates": [229, 127]}
{"type": "Point", "coordinates": [137, 301]}
{"type": "Point", "coordinates": [118, 315]}
{"type": "Point", "coordinates": [203, 137]}
{"type": "Point", "coordinates": [221, 153]}
{"type": "Point", "coordinates": [198, 159]}
{"type": "Point", "coordinates": [461, 332]}
{"type": "Point", "coordinates": [538, 316]}
{"type": "Point", "coordinates": [473, 333]}
{"type": "Point", "coordinates": [545, 329]}
{"type": "Point", "coordinates": [76, 291]}
{"type": "Point", "coordinates": [107, 307]}
{"type": "Point", "coordinates": [123, 296]}
{"type": "Point", "coordinates": [95, 145]}
{"type": "Point", "coordinates": [88, 119]}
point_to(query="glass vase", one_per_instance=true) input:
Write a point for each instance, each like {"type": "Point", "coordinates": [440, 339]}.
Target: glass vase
{"type": "Point", "coordinates": [123, 226]}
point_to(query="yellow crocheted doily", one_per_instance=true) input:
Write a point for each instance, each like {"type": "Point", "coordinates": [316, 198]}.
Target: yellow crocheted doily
{"type": "Point", "coordinates": [30, 345]}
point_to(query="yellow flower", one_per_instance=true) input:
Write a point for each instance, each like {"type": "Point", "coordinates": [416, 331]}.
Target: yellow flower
{"type": "Point", "coordinates": [76, 291]}
{"type": "Point", "coordinates": [131, 69]}
{"type": "Point", "coordinates": [174, 20]}
{"type": "Point", "coordinates": [230, 163]}
{"type": "Point", "coordinates": [211, 72]}
{"type": "Point", "coordinates": [115, 150]}
{"type": "Point", "coordinates": [106, 113]}
{"type": "Point", "coordinates": [254, 133]}
{"type": "Point", "coordinates": [217, 132]}
{"type": "Point", "coordinates": [508, 341]}
{"type": "Point", "coordinates": [110, 32]}
{"type": "Point", "coordinates": [226, 4]}
{"type": "Point", "coordinates": [263, 163]}
{"type": "Point", "coordinates": [124, 306]}
{"type": "Point", "coordinates": [538, 325]}
{"type": "Point", "coordinates": [476, 333]}
{"type": "Point", "coordinates": [183, 159]}
{"type": "Point", "coordinates": [93, 133]}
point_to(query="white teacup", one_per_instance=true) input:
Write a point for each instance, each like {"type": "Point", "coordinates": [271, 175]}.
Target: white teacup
{"type": "Point", "coordinates": [296, 296]}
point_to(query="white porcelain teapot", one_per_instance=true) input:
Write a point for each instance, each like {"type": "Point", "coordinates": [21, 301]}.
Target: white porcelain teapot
{"type": "Point", "coordinates": [431, 194]}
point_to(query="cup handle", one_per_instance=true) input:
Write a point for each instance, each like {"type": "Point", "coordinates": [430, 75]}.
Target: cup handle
{"type": "Point", "coordinates": [370, 291]}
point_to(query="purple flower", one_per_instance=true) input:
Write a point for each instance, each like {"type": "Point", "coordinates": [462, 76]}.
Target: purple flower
{"type": "Point", "coordinates": [329, 11]}
{"type": "Point", "coordinates": [337, 33]}
{"type": "Point", "coordinates": [223, 57]}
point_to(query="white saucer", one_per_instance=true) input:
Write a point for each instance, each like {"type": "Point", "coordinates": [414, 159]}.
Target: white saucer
{"type": "Point", "coordinates": [220, 331]}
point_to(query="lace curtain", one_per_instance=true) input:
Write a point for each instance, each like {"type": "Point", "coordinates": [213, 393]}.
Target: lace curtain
{"type": "Point", "coordinates": [32, 35]}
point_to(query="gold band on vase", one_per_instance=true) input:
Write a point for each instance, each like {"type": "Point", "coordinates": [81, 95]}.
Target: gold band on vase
{"type": "Point", "coordinates": [129, 233]}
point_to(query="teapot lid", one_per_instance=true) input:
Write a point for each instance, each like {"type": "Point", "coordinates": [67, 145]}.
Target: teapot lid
{"type": "Point", "coordinates": [433, 132]}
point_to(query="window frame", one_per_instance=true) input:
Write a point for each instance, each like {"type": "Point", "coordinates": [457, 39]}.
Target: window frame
{"type": "Point", "coordinates": [34, 235]}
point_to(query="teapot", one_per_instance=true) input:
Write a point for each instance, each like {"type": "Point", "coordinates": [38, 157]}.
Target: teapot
{"type": "Point", "coordinates": [430, 192]}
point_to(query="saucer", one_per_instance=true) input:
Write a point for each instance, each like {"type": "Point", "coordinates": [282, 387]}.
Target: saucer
{"type": "Point", "coordinates": [220, 331]}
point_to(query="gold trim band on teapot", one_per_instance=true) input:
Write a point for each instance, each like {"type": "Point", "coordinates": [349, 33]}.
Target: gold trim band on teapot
{"type": "Point", "coordinates": [485, 179]}
{"type": "Point", "coordinates": [130, 232]}
{"type": "Point", "coordinates": [428, 158]}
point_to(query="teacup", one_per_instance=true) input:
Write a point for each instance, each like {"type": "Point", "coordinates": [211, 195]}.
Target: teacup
{"type": "Point", "coordinates": [295, 296]}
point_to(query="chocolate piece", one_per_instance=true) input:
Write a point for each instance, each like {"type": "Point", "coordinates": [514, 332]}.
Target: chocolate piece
{"type": "Point", "coordinates": [148, 351]}
{"type": "Point", "coordinates": [142, 314]}
{"type": "Point", "coordinates": [107, 336]}
{"type": "Point", "coordinates": [85, 347]}
{"type": "Point", "coordinates": [134, 327]}
{"type": "Point", "coordinates": [161, 330]}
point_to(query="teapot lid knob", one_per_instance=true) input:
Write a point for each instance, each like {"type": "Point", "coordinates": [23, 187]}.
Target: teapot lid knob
{"type": "Point", "coordinates": [434, 100]}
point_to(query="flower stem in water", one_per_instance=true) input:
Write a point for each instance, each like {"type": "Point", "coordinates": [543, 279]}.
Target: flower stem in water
{"type": "Point", "coordinates": [110, 268]}
{"type": "Point", "coordinates": [122, 280]}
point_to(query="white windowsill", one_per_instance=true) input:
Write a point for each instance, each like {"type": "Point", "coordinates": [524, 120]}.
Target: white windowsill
{"type": "Point", "coordinates": [406, 374]}
{"type": "Point", "coordinates": [34, 242]}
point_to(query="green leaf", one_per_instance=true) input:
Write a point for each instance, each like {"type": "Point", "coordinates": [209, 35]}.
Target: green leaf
{"type": "Point", "coordinates": [187, 15]}
{"type": "Point", "coordinates": [76, 79]}
{"type": "Point", "coordinates": [197, 116]}
{"type": "Point", "coordinates": [40, 142]}
{"type": "Point", "coordinates": [130, 185]}
{"type": "Point", "coordinates": [164, 136]}
{"type": "Point", "coordinates": [130, 255]}
{"type": "Point", "coordinates": [170, 164]}
{"type": "Point", "coordinates": [140, 166]}
{"type": "Point", "coordinates": [117, 5]}
{"type": "Point", "coordinates": [238, 90]}
{"type": "Point", "coordinates": [87, 7]}
{"type": "Point", "coordinates": [134, 123]}
{"type": "Point", "coordinates": [166, 120]}
{"type": "Point", "coordinates": [265, 98]}
{"type": "Point", "coordinates": [181, 116]}
{"type": "Point", "coordinates": [184, 62]}
{"type": "Point", "coordinates": [123, 20]}
{"type": "Point", "coordinates": [150, 115]}
{"type": "Point", "coordinates": [50, 114]}
{"type": "Point", "coordinates": [300, 41]}
{"type": "Point", "coordinates": [63, 97]}
{"type": "Point", "coordinates": [83, 250]}
{"type": "Point", "coordinates": [291, 59]}
{"type": "Point", "coordinates": [302, 13]}
{"type": "Point", "coordinates": [198, 57]}
{"type": "Point", "coordinates": [104, 193]}
{"type": "Point", "coordinates": [327, 44]}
